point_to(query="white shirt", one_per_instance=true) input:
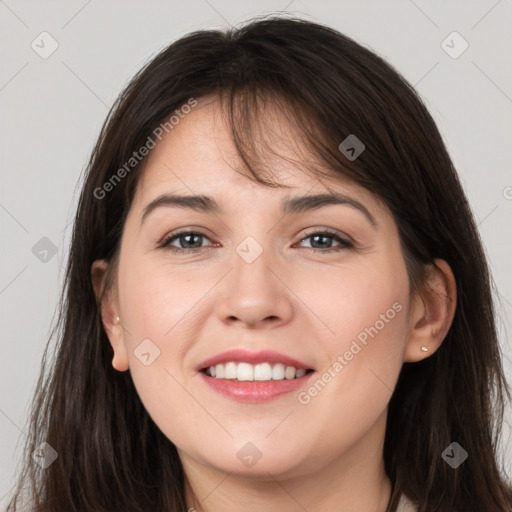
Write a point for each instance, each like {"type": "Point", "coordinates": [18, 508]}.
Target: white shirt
{"type": "Point", "coordinates": [405, 505]}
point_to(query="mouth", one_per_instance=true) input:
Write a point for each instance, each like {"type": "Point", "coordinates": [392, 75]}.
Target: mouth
{"type": "Point", "coordinates": [259, 387]}
{"type": "Point", "coordinates": [254, 377]}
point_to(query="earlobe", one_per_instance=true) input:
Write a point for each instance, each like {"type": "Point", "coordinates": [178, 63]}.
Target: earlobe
{"type": "Point", "coordinates": [432, 313]}
{"type": "Point", "coordinates": [109, 314]}
{"type": "Point", "coordinates": [120, 359]}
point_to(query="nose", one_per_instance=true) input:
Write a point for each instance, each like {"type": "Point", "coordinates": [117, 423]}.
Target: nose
{"type": "Point", "coordinates": [255, 295]}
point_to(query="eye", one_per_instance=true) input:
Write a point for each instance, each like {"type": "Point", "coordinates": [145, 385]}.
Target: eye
{"type": "Point", "coordinates": [322, 237]}
{"type": "Point", "coordinates": [190, 244]}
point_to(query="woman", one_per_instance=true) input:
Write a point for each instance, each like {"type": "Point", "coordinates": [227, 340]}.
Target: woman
{"type": "Point", "coordinates": [249, 371]}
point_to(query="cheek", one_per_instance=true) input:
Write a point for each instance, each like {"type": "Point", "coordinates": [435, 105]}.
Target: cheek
{"type": "Point", "coordinates": [156, 299]}
{"type": "Point", "coordinates": [369, 313]}
{"type": "Point", "coordinates": [365, 307]}
{"type": "Point", "coordinates": [360, 303]}
{"type": "Point", "coordinates": [156, 314]}
{"type": "Point", "coordinates": [165, 306]}
{"type": "Point", "coordinates": [364, 315]}
{"type": "Point", "coordinates": [366, 310]}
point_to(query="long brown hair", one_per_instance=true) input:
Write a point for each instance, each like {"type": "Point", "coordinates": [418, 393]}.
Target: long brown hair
{"type": "Point", "coordinates": [111, 455]}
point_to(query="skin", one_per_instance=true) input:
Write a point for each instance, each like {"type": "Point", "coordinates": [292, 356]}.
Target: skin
{"type": "Point", "coordinates": [311, 305]}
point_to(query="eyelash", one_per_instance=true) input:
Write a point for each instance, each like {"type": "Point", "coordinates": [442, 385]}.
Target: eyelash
{"type": "Point", "coordinates": [346, 244]}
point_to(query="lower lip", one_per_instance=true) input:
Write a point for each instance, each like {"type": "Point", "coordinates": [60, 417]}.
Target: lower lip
{"type": "Point", "coordinates": [254, 391]}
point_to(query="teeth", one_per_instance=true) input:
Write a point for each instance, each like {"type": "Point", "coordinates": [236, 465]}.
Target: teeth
{"type": "Point", "coordinates": [230, 371]}
{"type": "Point", "coordinates": [263, 371]}
{"type": "Point", "coordinates": [249, 372]}
{"type": "Point", "coordinates": [278, 372]}
{"type": "Point", "coordinates": [244, 371]}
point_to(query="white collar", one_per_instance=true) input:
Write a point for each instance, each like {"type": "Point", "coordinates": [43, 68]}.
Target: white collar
{"type": "Point", "coordinates": [405, 505]}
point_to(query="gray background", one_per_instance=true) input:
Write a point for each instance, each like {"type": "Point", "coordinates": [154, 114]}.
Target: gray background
{"type": "Point", "coordinates": [52, 110]}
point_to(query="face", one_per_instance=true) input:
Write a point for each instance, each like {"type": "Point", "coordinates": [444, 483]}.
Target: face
{"type": "Point", "coordinates": [326, 287]}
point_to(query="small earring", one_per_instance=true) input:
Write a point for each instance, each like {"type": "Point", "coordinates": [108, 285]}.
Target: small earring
{"type": "Point", "coordinates": [117, 320]}
{"type": "Point", "coordinates": [424, 349]}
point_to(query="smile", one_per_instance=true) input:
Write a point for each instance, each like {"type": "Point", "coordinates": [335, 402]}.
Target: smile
{"type": "Point", "coordinates": [253, 390]}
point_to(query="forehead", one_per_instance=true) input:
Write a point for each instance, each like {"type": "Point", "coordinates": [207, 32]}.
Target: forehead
{"type": "Point", "coordinates": [201, 147]}
{"type": "Point", "coordinates": [198, 157]}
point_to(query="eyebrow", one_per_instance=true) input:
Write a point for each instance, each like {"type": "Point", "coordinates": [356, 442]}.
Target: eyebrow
{"type": "Point", "coordinates": [290, 205]}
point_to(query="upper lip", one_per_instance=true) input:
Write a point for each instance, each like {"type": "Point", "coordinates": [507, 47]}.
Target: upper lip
{"type": "Point", "coordinates": [245, 356]}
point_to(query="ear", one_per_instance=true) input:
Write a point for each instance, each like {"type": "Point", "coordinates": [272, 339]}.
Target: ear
{"type": "Point", "coordinates": [109, 311]}
{"type": "Point", "coordinates": [432, 312]}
